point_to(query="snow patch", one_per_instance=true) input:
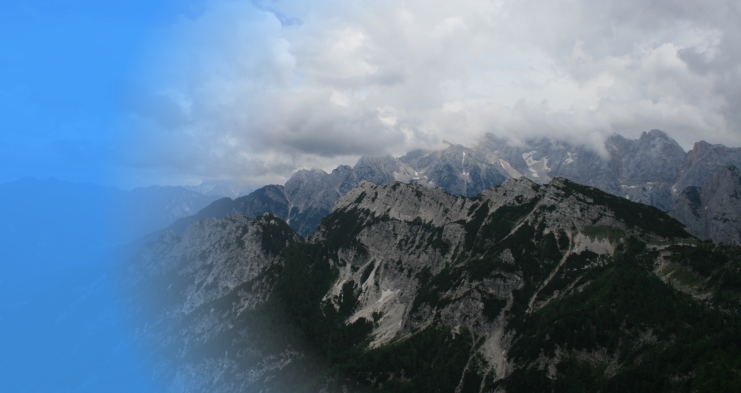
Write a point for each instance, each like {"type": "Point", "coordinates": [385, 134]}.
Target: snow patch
{"type": "Point", "coordinates": [512, 171]}
{"type": "Point", "coordinates": [538, 168]}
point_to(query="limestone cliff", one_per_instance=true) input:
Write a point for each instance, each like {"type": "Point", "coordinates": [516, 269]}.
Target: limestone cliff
{"type": "Point", "coordinates": [713, 211]}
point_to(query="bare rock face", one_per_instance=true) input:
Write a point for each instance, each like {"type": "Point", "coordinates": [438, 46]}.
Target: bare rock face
{"type": "Point", "coordinates": [713, 211]}
{"type": "Point", "coordinates": [652, 170]}
{"type": "Point", "coordinates": [457, 170]}
{"type": "Point", "coordinates": [654, 157]}
{"type": "Point", "coordinates": [704, 161]}
{"type": "Point", "coordinates": [311, 193]}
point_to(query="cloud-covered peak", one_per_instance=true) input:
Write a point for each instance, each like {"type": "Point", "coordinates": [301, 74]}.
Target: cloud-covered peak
{"type": "Point", "coordinates": [254, 90]}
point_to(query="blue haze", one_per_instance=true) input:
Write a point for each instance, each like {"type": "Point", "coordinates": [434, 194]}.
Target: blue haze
{"type": "Point", "coordinates": [65, 66]}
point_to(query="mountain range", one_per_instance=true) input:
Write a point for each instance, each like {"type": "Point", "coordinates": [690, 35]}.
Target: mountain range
{"type": "Point", "coordinates": [292, 302]}
{"type": "Point", "coordinates": [407, 288]}
{"type": "Point", "coordinates": [652, 170]}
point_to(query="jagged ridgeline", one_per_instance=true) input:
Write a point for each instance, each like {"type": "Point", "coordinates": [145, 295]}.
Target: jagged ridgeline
{"type": "Point", "coordinates": [524, 288]}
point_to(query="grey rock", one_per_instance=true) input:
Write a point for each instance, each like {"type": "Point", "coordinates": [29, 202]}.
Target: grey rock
{"type": "Point", "coordinates": [654, 157]}
{"type": "Point", "coordinates": [380, 170]}
{"type": "Point", "coordinates": [308, 195]}
{"type": "Point", "coordinates": [652, 170]}
{"type": "Point", "coordinates": [398, 220]}
{"type": "Point", "coordinates": [457, 170]}
{"type": "Point", "coordinates": [311, 193]}
{"type": "Point", "coordinates": [704, 161]}
{"type": "Point", "coordinates": [713, 211]}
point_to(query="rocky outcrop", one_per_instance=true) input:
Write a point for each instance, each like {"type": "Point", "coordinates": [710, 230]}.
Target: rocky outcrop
{"type": "Point", "coordinates": [713, 211]}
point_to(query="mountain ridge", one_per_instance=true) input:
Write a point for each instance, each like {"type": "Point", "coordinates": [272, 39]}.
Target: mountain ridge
{"type": "Point", "coordinates": [472, 284]}
{"type": "Point", "coordinates": [652, 169]}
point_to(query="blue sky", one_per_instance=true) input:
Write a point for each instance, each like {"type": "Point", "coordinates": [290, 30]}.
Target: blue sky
{"type": "Point", "coordinates": [64, 67]}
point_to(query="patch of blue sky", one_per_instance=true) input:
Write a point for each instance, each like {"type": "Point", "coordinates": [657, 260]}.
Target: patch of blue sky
{"type": "Point", "coordinates": [64, 67]}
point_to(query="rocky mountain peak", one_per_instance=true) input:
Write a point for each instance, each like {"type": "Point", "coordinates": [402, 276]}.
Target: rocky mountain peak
{"type": "Point", "coordinates": [656, 135]}
{"type": "Point", "coordinates": [524, 185]}
{"type": "Point", "coordinates": [698, 150]}
{"type": "Point", "coordinates": [703, 162]}
{"type": "Point", "coordinates": [307, 174]}
{"type": "Point", "coordinates": [381, 169]}
{"type": "Point", "coordinates": [343, 170]}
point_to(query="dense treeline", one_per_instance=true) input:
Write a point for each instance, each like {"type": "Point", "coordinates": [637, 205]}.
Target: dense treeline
{"type": "Point", "coordinates": [654, 338]}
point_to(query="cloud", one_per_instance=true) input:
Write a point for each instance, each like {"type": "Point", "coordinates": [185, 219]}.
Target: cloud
{"type": "Point", "coordinates": [254, 90]}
